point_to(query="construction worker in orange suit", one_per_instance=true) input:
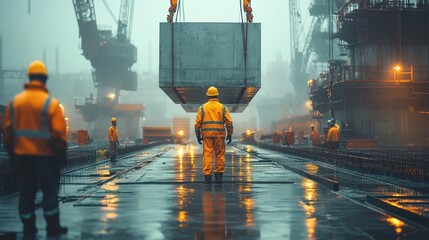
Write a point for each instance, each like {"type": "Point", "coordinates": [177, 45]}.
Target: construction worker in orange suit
{"type": "Point", "coordinates": [333, 137]}
{"type": "Point", "coordinates": [210, 123]}
{"type": "Point", "coordinates": [113, 140]}
{"type": "Point", "coordinates": [35, 138]}
{"type": "Point", "coordinates": [314, 134]}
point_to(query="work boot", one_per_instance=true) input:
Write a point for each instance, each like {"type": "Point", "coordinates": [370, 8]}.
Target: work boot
{"type": "Point", "coordinates": [208, 179]}
{"type": "Point", "coordinates": [53, 226]}
{"type": "Point", "coordinates": [218, 177]}
{"type": "Point", "coordinates": [30, 229]}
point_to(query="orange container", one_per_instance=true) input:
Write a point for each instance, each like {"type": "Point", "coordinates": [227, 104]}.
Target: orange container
{"type": "Point", "coordinates": [288, 138]}
{"type": "Point", "coordinates": [277, 138]}
{"type": "Point", "coordinates": [82, 137]}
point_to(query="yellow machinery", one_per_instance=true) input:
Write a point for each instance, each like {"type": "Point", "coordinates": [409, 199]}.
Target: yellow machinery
{"type": "Point", "coordinates": [180, 137]}
{"type": "Point", "coordinates": [248, 136]}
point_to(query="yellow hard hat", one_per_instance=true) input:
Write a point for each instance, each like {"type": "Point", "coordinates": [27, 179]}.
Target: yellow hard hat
{"type": "Point", "coordinates": [113, 120]}
{"type": "Point", "coordinates": [37, 68]}
{"type": "Point", "coordinates": [312, 125]}
{"type": "Point", "coordinates": [212, 92]}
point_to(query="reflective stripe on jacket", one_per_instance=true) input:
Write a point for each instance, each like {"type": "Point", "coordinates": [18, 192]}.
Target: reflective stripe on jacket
{"type": "Point", "coordinates": [33, 122]}
{"type": "Point", "coordinates": [113, 134]}
{"type": "Point", "coordinates": [212, 118]}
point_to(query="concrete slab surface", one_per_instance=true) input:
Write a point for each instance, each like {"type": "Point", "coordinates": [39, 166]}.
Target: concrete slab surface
{"type": "Point", "coordinates": [165, 198]}
{"type": "Point", "coordinates": [195, 56]}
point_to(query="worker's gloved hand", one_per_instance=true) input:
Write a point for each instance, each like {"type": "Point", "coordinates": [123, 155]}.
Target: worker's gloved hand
{"type": "Point", "coordinates": [63, 159]}
{"type": "Point", "coordinates": [60, 149]}
{"type": "Point", "coordinates": [200, 139]}
{"type": "Point", "coordinates": [228, 138]}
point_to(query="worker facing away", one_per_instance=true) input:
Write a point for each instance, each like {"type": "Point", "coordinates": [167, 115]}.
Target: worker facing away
{"type": "Point", "coordinates": [113, 140]}
{"type": "Point", "coordinates": [333, 137]}
{"type": "Point", "coordinates": [35, 139]}
{"type": "Point", "coordinates": [210, 123]}
{"type": "Point", "coordinates": [314, 135]}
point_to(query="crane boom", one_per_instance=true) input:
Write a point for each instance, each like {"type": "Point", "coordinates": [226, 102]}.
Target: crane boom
{"type": "Point", "coordinates": [295, 26]}
{"type": "Point", "coordinates": [123, 21]}
{"type": "Point", "coordinates": [88, 31]}
{"type": "Point", "coordinates": [315, 27]}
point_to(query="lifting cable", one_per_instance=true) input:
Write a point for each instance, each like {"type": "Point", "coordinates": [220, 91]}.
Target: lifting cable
{"type": "Point", "coordinates": [182, 100]}
{"type": "Point", "coordinates": [244, 33]}
{"type": "Point", "coordinates": [329, 90]}
{"type": "Point", "coordinates": [331, 54]}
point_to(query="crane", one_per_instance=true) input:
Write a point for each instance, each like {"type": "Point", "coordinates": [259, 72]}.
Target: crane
{"type": "Point", "coordinates": [111, 58]}
{"type": "Point", "coordinates": [301, 50]}
{"type": "Point", "coordinates": [298, 75]}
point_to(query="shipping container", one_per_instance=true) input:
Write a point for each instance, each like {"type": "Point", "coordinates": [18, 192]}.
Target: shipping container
{"type": "Point", "coordinates": [151, 134]}
{"type": "Point", "coordinates": [82, 137]}
{"type": "Point", "coordinates": [181, 124]}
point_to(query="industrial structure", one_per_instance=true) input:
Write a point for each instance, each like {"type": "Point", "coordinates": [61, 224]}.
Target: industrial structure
{"type": "Point", "coordinates": [362, 63]}
{"type": "Point", "coordinates": [310, 49]}
{"type": "Point", "coordinates": [112, 58]}
{"type": "Point", "coordinates": [381, 91]}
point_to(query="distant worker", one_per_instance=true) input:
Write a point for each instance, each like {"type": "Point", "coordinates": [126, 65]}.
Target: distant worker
{"type": "Point", "coordinates": [210, 123]}
{"type": "Point", "coordinates": [335, 124]}
{"type": "Point", "coordinates": [113, 140]}
{"type": "Point", "coordinates": [333, 137]}
{"type": "Point", "coordinates": [35, 138]}
{"type": "Point", "coordinates": [314, 134]}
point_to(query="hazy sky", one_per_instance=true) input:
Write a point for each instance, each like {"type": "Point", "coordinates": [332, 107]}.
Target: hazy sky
{"type": "Point", "coordinates": [53, 23]}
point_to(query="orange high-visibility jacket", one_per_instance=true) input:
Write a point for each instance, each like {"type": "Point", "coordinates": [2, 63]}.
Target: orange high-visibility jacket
{"type": "Point", "coordinates": [113, 134]}
{"type": "Point", "coordinates": [34, 122]}
{"type": "Point", "coordinates": [314, 134]}
{"type": "Point", "coordinates": [337, 126]}
{"type": "Point", "coordinates": [333, 135]}
{"type": "Point", "coordinates": [212, 118]}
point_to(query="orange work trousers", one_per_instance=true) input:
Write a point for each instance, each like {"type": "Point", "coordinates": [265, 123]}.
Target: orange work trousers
{"type": "Point", "coordinates": [214, 145]}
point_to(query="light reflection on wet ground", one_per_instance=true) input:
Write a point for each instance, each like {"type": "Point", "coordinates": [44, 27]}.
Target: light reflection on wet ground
{"type": "Point", "coordinates": [140, 206]}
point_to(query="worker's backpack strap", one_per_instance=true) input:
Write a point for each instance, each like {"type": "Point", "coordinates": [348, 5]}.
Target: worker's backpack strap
{"type": "Point", "coordinates": [202, 112]}
{"type": "Point", "coordinates": [45, 114]}
{"type": "Point", "coordinates": [12, 114]}
{"type": "Point", "coordinates": [43, 133]}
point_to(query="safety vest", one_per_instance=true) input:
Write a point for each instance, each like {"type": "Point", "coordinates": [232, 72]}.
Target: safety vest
{"type": "Point", "coordinates": [33, 119]}
{"type": "Point", "coordinates": [314, 134]}
{"type": "Point", "coordinates": [113, 134]}
{"type": "Point", "coordinates": [212, 118]}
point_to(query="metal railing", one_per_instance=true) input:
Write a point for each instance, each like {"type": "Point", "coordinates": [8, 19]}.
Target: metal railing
{"type": "Point", "coordinates": [75, 158]}
{"type": "Point", "coordinates": [403, 164]}
{"type": "Point", "coordinates": [355, 5]}
{"type": "Point", "coordinates": [343, 74]}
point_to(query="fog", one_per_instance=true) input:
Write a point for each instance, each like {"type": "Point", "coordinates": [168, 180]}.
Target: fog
{"type": "Point", "coordinates": [53, 24]}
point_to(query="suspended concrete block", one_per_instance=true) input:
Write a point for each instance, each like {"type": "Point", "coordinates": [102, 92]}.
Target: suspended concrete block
{"type": "Point", "coordinates": [195, 56]}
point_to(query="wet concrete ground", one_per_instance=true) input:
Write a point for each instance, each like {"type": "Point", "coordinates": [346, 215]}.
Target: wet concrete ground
{"type": "Point", "coordinates": [407, 195]}
{"type": "Point", "coordinates": [160, 194]}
